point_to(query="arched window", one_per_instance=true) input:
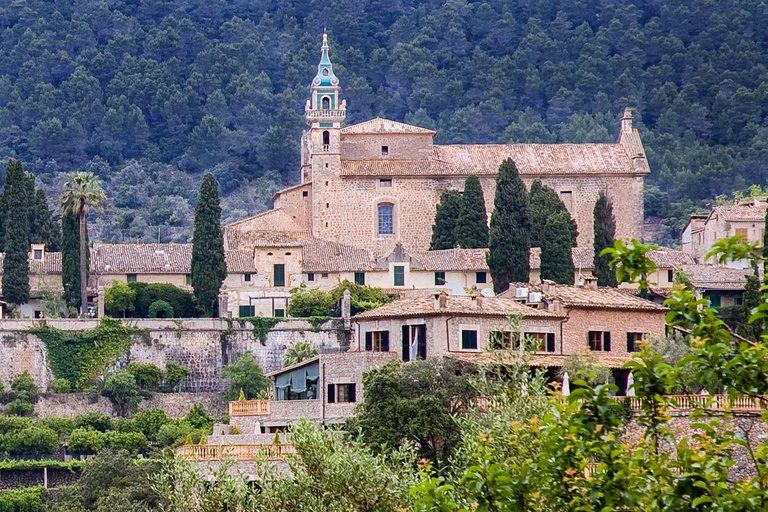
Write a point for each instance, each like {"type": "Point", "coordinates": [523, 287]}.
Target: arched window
{"type": "Point", "coordinates": [385, 218]}
{"type": "Point", "coordinates": [326, 103]}
{"type": "Point", "coordinates": [326, 139]}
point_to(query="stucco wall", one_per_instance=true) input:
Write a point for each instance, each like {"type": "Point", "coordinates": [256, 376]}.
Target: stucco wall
{"type": "Point", "coordinates": [616, 321]}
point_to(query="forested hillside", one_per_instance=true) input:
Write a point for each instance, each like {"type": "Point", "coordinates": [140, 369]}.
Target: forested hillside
{"type": "Point", "coordinates": [150, 94]}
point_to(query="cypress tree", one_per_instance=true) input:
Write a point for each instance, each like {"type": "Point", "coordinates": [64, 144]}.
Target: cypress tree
{"type": "Point", "coordinates": [208, 266]}
{"type": "Point", "coordinates": [605, 233]}
{"type": "Point", "coordinates": [16, 262]}
{"type": "Point", "coordinates": [752, 298]}
{"type": "Point", "coordinates": [510, 233]}
{"type": "Point", "coordinates": [472, 225]}
{"type": "Point", "coordinates": [544, 202]}
{"type": "Point", "coordinates": [44, 229]}
{"type": "Point", "coordinates": [448, 211]}
{"type": "Point", "coordinates": [70, 258]}
{"type": "Point", "coordinates": [556, 240]}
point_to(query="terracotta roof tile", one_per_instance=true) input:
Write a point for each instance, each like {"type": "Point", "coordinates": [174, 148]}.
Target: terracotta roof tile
{"type": "Point", "coordinates": [379, 125]}
{"type": "Point", "coordinates": [603, 298]}
{"type": "Point", "coordinates": [583, 258]}
{"type": "Point", "coordinates": [451, 260]}
{"type": "Point", "coordinates": [239, 235]}
{"type": "Point", "coordinates": [158, 259]}
{"type": "Point", "coordinates": [715, 277]}
{"type": "Point", "coordinates": [325, 256]}
{"type": "Point", "coordinates": [455, 305]}
{"type": "Point", "coordinates": [743, 212]}
{"type": "Point", "coordinates": [664, 257]}
{"type": "Point", "coordinates": [51, 263]}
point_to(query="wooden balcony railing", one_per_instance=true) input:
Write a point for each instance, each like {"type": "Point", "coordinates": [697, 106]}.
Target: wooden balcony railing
{"type": "Point", "coordinates": [249, 408]}
{"type": "Point", "coordinates": [237, 452]}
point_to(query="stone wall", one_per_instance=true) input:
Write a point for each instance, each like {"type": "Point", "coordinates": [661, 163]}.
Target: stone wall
{"type": "Point", "coordinates": [175, 405]}
{"type": "Point", "coordinates": [204, 345]}
{"type": "Point", "coordinates": [56, 477]}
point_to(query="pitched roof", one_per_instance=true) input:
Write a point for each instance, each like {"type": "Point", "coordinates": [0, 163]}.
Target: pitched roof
{"type": "Point", "coordinates": [450, 260]}
{"type": "Point", "coordinates": [326, 256]}
{"type": "Point", "coordinates": [747, 212]}
{"type": "Point", "coordinates": [583, 258]}
{"type": "Point", "coordinates": [158, 259]}
{"type": "Point", "coordinates": [51, 263]}
{"type": "Point", "coordinates": [665, 257]}
{"type": "Point", "coordinates": [597, 298]}
{"type": "Point", "coordinates": [379, 125]}
{"type": "Point", "coordinates": [240, 234]}
{"type": "Point", "coordinates": [715, 277]}
{"type": "Point", "coordinates": [454, 305]}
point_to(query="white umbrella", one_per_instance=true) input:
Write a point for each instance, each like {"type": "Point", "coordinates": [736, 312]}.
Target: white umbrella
{"type": "Point", "coordinates": [566, 385]}
{"type": "Point", "coordinates": [704, 392]}
{"type": "Point", "coordinates": [630, 384]}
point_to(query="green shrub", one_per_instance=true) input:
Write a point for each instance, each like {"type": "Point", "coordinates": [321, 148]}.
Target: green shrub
{"type": "Point", "coordinates": [36, 440]}
{"type": "Point", "coordinates": [310, 303]}
{"type": "Point", "coordinates": [182, 301]}
{"type": "Point", "coordinates": [198, 418]}
{"type": "Point", "coordinates": [173, 433]}
{"type": "Point", "coordinates": [119, 298]}
{"type": "Point", "coordinates": [121, 388]}
{"type": "Point", "coordinates": [9, 424]}
{"type": "Point", "coordinates": [150, 422]}
{"type": "Point", "coordinates": [247, 375]}
{"type": "Point", "coordinates": [362, 298]}
{"type": "Point", "coordinates": [62, 426]}
{"type": "Point", "coordinates": [24, 499]}
{"type": "Point", "coordinates": [147, 375]}
{"type": "Point", "coordinates": [84, 440]}
{"type": "Point", "coordinates": [95, 420]}
{"type": "Point", "coordinates": [160, 309]}
{"type": "Point", "coordinates": [24, 387]}
{"type": "Point", "coordinates": [174, 375]}
{"type": "Point", "coordinates": [60, 386]}
{"type": "Point", "coordinates": [20, 407]}
{"type": "Point", "coordinates": [132, 442]}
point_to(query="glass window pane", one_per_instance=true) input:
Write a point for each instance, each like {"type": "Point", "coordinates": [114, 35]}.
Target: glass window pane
{"type": "Point", "coordinates": [386, 226]}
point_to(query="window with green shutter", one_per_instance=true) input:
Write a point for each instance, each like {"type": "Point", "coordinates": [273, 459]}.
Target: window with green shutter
{"type": "Point", "coordinates": [360, 278]}
{"type": "Point", "coordinates": [399, 276]}
{"type": "Point", "coordinates": [439, 278]}
{"type": "Point", "coordinates": [279, 275]}
{"type": "Point", "coordinates": [131, 278]}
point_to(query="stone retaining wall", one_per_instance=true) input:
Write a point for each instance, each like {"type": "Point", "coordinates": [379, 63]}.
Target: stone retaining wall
{"type": "Point", "coordinates": [204, 345]}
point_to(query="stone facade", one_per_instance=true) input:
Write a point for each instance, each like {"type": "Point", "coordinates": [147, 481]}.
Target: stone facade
{"type": "Point", "coordinates": [350, 173]}
{"type": "Point", "coordinates": [204, 345]}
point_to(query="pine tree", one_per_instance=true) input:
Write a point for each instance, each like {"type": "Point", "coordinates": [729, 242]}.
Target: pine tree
{"type": "Point", "coordinates": [448, 211]}
{"type": "Point", "coordinates": [605, 233]}
{"type": "Point", "coordinates": [208, 266]}
{"type": "Point", "coordinates": [44, 228]}
{"type": "Point", "coordinates": [471, 230]}
{"type": "Point", "coordinates": [16, 262]}
{"type": "Point", "coordinates": [752, 298]}
{"type": "Point", "coordinates": [510, 233]}
{"type": "Point", "coordinates": [70, 258]}
{"type": "Point", "coordinates": [544, 202]}
{"type": "Point", "coordinates": [556, 240]}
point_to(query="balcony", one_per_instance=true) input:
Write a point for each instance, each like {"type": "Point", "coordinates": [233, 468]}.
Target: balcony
{"type": "Point", "coordinates": [249, 408]}
{"type": "Point", "coordinates": [236, 452]}
{"type": "Point", "coordinates": [312, 114]}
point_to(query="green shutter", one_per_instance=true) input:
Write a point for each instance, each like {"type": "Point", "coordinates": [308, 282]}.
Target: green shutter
{"type": "Point", "coordinates": [360, 278]}
{"type": "Point", "coordinates": [399, 276]}
{"type": "Point", "coordinates": [279, 275]}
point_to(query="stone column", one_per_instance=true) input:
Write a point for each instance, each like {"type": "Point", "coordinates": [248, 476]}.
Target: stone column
{"type": "Point", "coordinates": [346, 308]}
{"type": "Point", "coordinates": [101, 298]}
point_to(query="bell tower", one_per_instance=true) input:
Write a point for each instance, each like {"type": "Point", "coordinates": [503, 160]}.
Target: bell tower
{"type": "Point", "coordinates": [321, 144]}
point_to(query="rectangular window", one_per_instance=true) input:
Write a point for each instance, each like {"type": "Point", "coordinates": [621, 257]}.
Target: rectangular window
{"type": "Point", "coordinates": [345, 393]}
{"type": "Point", "coordinates": [279, 275]}
{"type": "Point", "coordinates": [310, 277]}
{"type": "Point", "coordinates": [399, 276]}
{"type": "Point", "coordinates": [633, 341]}
{"type": "Point", "coordinates": [360, 278]}
{"type": "Point", "coordinates": [188, 279]}
{"type": "Point", "coordinates": [714, 301]}
{"type": "Point", "coordinates": [304, 194]}
{"type": "Point", "coordinates": [670, 276]}
{"type": "Point", "coordinates": [385, 183]}
{"type": "Point", "coordinates": [501, 340]}
{"type": "Point", "coordinates": [38, 314]}
{"type": "Point", "coordinates": [279, 313]}
{"type": "Point", "coordinates": [550, 342]}
{"type": "Point", "coordinates": [386, 223]}
{"type": "Point", "coordinates": [481, 277]}
{"type": "Point", "coordinates": [414, 342]}
{"type": "Point", "coordinates": [600, 341]}
{"type": "Point", "coordinates": [247, 278]}
{"type": "Point", "coordinates": [384, 150]}
{"type": "Point", "coordinates": [377, 341]}
{"type": "Point", "coordinates": [743, 231]}
{"type": "Point", "coordinates": [439, 278]}
{"type": "Point", "coordinates": [131, 278]}
{"type": "Point", "coordinates": [537, 340]}
{"type": "Point", "coordinates": [324, 275]}
{"type": "Point", "coordinates": [469, 340]}
{"type": "Point", "coordinates": [38, 254]}
{"type": "Point", "coordinates": [247, 311]}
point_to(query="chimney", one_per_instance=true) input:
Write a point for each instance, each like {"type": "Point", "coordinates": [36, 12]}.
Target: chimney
{"type": "Point", "coordinates": [548, 287]}
{"type": "Point", "coordinates": [626, 121]}
{"type": "Point", "coordinates": [590, 283]}
{"type": "Point", "coordinates": [441, 301]}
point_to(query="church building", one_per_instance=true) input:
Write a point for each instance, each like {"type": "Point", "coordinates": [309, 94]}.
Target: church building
{"type": "Point", "coordinates": [376, 184]}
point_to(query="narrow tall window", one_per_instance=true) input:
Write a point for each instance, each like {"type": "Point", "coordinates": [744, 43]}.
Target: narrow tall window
{"type": "Point", "coordinates": [469, 340]}
{"type": "Point", "coordinates": [326, 103]}
{"type": "Point", "coordinates": [633, 341]}
{"type": "Point", "coordinates": [386, 224]}
{"type": "Point", "coordinates": [399, 276]}
{"type": "Point", "coordinates": [279, 275]}
{"type": "Point", "coordinates": [326, 141]}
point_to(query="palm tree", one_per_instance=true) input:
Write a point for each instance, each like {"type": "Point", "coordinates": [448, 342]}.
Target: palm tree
{"type": "Point", "coordinates": [82, 192]}
{"type": "Point", "coordinates": [299, 352]}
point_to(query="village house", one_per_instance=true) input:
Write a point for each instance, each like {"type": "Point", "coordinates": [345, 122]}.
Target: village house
{"type": "Point", "coordinates": [44, 275]}
{"type": "Point", "coordinates": [746, 218]}
{"type": "Point", "coordinates": [376, 184]}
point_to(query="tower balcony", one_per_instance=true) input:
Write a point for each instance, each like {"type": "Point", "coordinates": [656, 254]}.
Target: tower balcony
{"type": "Point", "coordinates": [327, 115]}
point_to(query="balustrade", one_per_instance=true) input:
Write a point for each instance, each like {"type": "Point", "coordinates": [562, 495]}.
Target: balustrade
{"type": "Point", "coordinates": [249, 408]}
{"type": "Point", "coordinates": [237, 452]}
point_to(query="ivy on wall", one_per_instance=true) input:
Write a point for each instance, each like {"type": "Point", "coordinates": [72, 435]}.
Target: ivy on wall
{"type": "Point", "coordinates": [262, 325]}
{"type": "Point", "coordinates": [80, 356]}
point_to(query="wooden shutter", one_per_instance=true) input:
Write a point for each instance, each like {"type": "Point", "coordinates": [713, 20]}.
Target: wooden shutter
{"type": "Point", "coordinates": [385, 341]}
{"type": "Point", "coordinates": [352, 396]}
{"type": "Point", "coordinates": [421, 350]}
{"type": "Point", "coordinates": [331, 394]}
{"type": "Point", "coordinates": [607, 341]}
{"type": "Point", "coordinates": [406, 343]}
{"type": "Point", "coordinates": [550, 342]}
{"type": "Point", "coordinates": [369, 341]}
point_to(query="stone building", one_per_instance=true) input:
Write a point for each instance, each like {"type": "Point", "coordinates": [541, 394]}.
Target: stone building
{"type": "Point", "coordinates": [376, 184]}
{"type": "Point", "coordinates": [743, 218]}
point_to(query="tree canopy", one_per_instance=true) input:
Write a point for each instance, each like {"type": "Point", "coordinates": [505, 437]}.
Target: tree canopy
{"type": "Point", "coordinates": [447, 212]}
{"type": "Point", "coordinates": [471, 231]}
{"type": "Point", "coordinates": [208, 265]}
